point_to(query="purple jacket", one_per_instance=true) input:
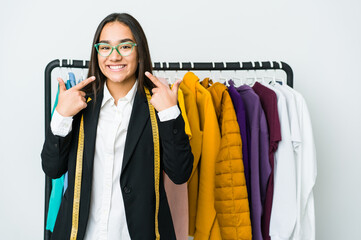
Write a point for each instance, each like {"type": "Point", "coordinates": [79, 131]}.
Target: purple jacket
{"type": "Point", "coordinates": [258, 145]}
{"type": "Point", "coordinates": [241, 119]}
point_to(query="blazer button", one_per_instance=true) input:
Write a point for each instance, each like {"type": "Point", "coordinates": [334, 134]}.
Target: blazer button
{"type": "Point", "coordinates": [55, 145]}
{"type": "Point", "coordinates": [175, 131]}
{"type": "Point", "coordinates": [126, 189]}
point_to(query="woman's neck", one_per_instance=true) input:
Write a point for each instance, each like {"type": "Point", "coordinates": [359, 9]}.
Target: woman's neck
{"type": "Point", "coordinates": [119, 89]}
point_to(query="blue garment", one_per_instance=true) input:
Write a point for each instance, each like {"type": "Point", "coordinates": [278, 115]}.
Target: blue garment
{"type": "Point", "coordinates": [65, 182]}
{"type": "Point", "coordinates": [72, 84]}
{"type": "Point", "coordinates": [72, 79]}
{"type": "Point", "coordinates": [67, 84]}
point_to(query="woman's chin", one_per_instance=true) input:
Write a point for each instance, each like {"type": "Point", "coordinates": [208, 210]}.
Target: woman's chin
{"type": "Point", "coordinates": [118, 80]}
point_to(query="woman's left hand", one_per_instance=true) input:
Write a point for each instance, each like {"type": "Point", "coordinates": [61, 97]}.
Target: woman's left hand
{"type": "Point", "coordinates": [163, 97]}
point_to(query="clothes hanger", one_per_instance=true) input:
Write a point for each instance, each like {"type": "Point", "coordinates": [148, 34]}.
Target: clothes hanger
{"type": "Point", "coordinates": [176, 76]}
{"type": "Point", "coordinates": [241, 79]}
{"type": "Point", "coordinates": [250, 80]}
{"type": "Point", "coordinates": [210, 73]}
{"type": "Point", "coordinates": [165, 76]}
{"type": "Point", "coordinates": [156, 73]}
{"type": "Point", "coordinates": [273, 82]}
{"type": "Point", "coordinates": [265, 72]}
{"type": "Point", "coordinates": [259, 78]}
{"type": "Point", "coordinates": [221, 78]}
{"type": "Point", "coordinates": [280, 81]}
{"type": "Point", "coordinates": [272, 78]}
{"type": "Point", "coordinates": [82, 76]}
{"type": "Point", "coordinates": [235, 78]}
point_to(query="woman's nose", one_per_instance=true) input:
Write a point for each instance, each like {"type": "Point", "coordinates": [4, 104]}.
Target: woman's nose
{"type": "Point", "coordinates": [115, 56]}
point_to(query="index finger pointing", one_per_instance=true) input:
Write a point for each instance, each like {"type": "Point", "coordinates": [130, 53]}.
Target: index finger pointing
{"type": "Point", "coordinates": [153, 79]}
{"type": "Point", "coordinates": [82, 84]}
{"type": "Point", "coordinates": [62, 87]}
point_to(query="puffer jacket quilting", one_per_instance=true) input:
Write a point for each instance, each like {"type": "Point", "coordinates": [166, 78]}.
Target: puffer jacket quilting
{"type": "Point", "coordinates": [231, 198]}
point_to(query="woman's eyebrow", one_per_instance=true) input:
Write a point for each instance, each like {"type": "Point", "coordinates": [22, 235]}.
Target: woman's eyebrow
{"type": "Point", "coordinates": [121, 41]}
{"type": "Point", "coordinates": [126, 40]}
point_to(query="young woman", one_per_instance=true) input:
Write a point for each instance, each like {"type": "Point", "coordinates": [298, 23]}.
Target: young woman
{"type": "Point", "coordinates": [104, 125]}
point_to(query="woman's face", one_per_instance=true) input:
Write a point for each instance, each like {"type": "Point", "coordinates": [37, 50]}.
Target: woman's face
{"type": "Point", "coordinates": [117, 68]}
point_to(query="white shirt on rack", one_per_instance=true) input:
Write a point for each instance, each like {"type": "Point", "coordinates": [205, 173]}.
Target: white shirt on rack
{"type": "Point", "coordinates": [292, 117]}
{"type": "Point", "coordinates": [107, 218]}
{"type": "Point", "coordinates": [283, 214]}
{"type": "Point", "coordinates": [296, 139]}
{"type": "Point", "coordinates": [306, 172]}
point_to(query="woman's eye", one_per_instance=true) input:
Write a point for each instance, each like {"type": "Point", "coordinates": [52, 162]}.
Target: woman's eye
{"type": "Point", "coordinates": [104, 48]}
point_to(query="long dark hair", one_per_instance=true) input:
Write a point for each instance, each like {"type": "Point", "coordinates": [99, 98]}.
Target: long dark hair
{"type": "Point", "coordinates": [144, 61]}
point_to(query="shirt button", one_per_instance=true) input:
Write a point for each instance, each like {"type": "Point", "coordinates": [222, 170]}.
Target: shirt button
{"type": "Point", "coordinates": [175, 131]}
{"type": "Point", "coordinates": [126, 189]}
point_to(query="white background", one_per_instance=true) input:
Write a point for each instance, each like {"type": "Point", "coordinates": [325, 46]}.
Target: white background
{"type": "Point", "coordinates": [320, 40]}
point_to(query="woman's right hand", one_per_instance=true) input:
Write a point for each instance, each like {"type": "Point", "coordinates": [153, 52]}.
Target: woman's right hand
{"type": "Point", "coordinates": [72, 101]}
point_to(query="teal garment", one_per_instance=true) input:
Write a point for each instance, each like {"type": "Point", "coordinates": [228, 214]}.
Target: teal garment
{"type": "Point", "coordinates": [56, 102]}
{"type": "Point", "coordinates": [59, 185]}
{"type": "Point", "coordinates": [54, 202]}
{"type": "Point", "coordinates": [56, 191]}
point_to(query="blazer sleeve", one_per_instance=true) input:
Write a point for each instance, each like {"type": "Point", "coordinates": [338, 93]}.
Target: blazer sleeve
{"type": "Point", "coordinates": [177, 155]}
{"type": "Point", "coordinates": [55, 152]}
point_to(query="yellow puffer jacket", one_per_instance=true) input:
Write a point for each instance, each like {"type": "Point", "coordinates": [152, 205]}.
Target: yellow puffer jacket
{"type": "Point", "coordinates": [231, 200]}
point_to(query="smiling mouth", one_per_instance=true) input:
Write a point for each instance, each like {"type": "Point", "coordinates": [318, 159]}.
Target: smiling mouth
{"type": "Point", "coordinates": [116, 67]}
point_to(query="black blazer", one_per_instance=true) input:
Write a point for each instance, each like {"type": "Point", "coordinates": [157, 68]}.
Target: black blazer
{"type": "Point", "coordinates": [137, 174]}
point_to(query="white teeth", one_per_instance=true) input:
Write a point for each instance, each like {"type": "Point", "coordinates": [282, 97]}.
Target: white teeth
{"type": "Point", "coordinates": [117, 67]}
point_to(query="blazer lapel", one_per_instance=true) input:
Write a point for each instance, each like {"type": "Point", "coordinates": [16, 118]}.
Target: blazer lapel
{"type": "Point", "coordinates": [138, 119]}
{"type": "Point", "coordinates": [91, 116]}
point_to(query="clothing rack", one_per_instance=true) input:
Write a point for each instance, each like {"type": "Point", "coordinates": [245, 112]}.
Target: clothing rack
{"type": "Point", "coordinates": [157, 66]}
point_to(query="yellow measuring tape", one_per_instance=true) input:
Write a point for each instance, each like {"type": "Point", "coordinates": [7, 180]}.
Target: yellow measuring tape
{"type": "Point", "coordinates": [77, 184]}
{"type": "Point", "coordinates": [79, 169]}
{"type": "Point", "coordinates": [156, 160]}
